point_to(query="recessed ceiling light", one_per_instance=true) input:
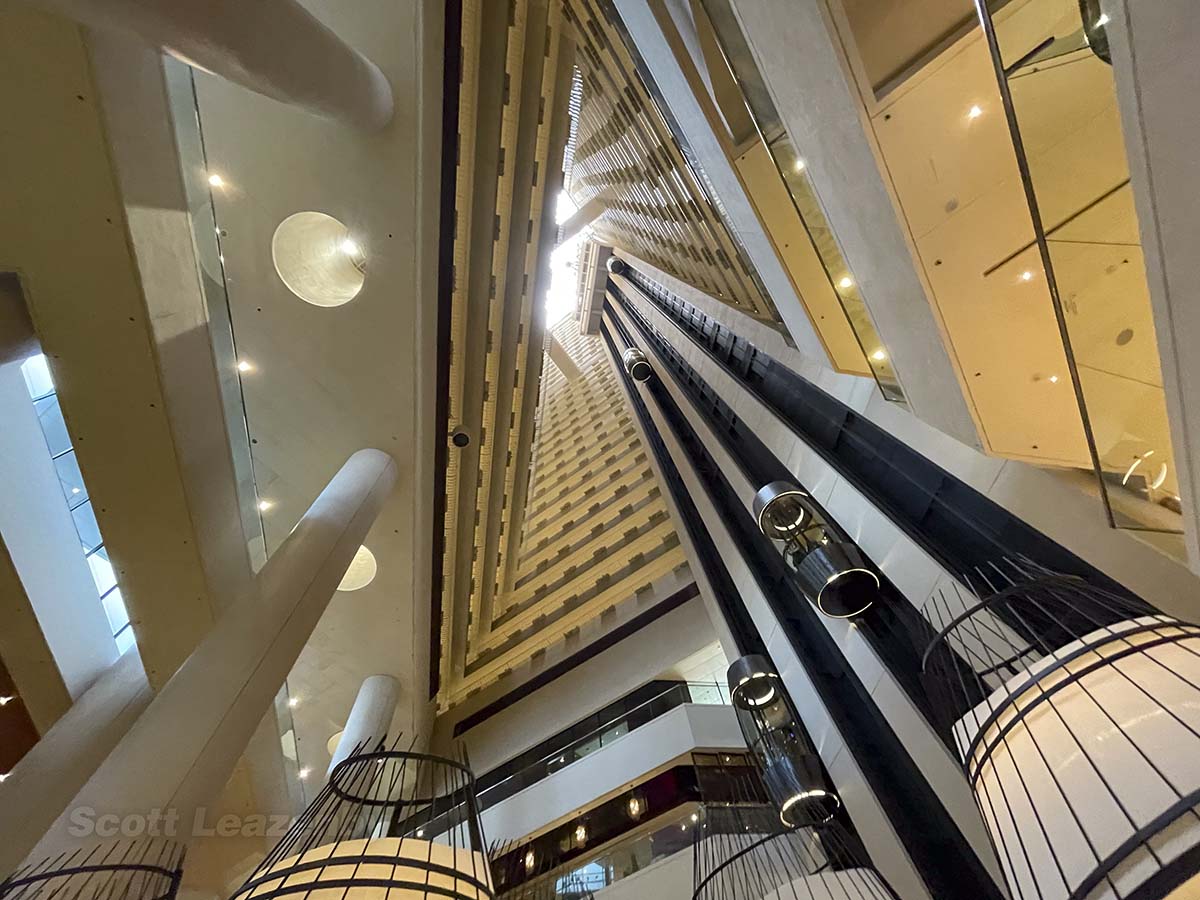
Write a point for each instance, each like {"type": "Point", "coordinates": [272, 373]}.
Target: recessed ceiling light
{"type": "Point", "coordinates": [317, 259]}
{"type": "Point", "coordinates": [846, 282]}
{"type": "Point", "coordinates": [974, 112]}
{"type": "Point", "coordinates": [350, 248]}
{"type": "Point", "coordinates": [264, 505]}
{"type": "Point", "coordinates": [74, 490]}
{"type": "Point", "coordinates": [1027, 275]}
{"type": "Point", "coordinates": [879, 356]}
{"type": "Point", "coordinates": [799, 165]}
{"type": "Point", "coordinates": [244, 366]}
{"type": "Point", "coordinates": [216, 180]}
{"type": "Point", "coordinates": [1054, 379]}
{"type": "Point", "coordinates": [695, 817]}
{"type": "Point", "coordinates": [293, 702]}
{"type": "Point", "coordinates": [304, 772]}
{"type": "Point", "coordinates": [361, 571]}
{"type": "Point", "coordinates": [420, 832]}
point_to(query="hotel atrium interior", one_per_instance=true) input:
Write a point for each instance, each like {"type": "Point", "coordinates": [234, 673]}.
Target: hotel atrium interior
{"type": "Point", "coordinates": [599, 450]}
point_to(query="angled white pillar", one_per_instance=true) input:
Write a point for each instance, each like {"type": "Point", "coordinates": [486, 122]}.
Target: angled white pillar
{"type": "Point", "coordinates": [561, 358]}
{"type": "Point", "coordinates": [370, 717]}
{"type": "Point", "coordinates": [273, 47]}
{"type": "Point", "coordinates": [582, 218]}
{"type": "Point", "coordinates": [18, 341]}
{"type": "Point", "coordinates": [181, 751]}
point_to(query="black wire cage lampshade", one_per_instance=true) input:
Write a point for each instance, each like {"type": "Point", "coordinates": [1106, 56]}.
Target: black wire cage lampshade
{"type": "Point", "coordinates": [791, 771]}
{"type": "Point", "coordinates": [1077, 720]}
{"type": "Point", "coordinates": [144, 869]}
{"type": "Point", "coordinates": [743, 852]}
{"type": "Point", "coordinates": [833, 573]}
{"type": "Point", "coordinates": [390, 824]}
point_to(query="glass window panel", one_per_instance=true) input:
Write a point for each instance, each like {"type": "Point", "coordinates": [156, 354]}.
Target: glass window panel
{"type": "Point", "coordinates": [125, 640]}
{"type": "Point", "coordinates": [37, 376]}
{"type": "Point", "coordinates": [102, 571]}
{"type": "Point", "coordinates": [53, 426]}
{"type": "Point", "coordinates": [114, 608]}
{"type": "Point", "coordinates": [85, 525]}
{"type": "Point", "coordinates": [71, 478]}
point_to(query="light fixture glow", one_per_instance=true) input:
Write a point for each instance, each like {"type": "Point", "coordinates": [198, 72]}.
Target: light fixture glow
{"type": "Point", "coordinates": [350, 248]}
{"type": "Point", "coordinates": [264, 505]}
{"type": "Point", "coordinates": [304, 773]}
{"type": "Point", "coordinates": [846, 282]}
{"type": "Point", "coordinates": [799, 165]}
{"type": "Point", "coordinates": [695, 817]}
{"type": "Point", "coordinates": [816, 793]}
{"type": "Point", "coordinates": [74, 490]}
{"type": "Point", "coordinates": [1054, 379]}
{"type": "Point", "coordinates": [580, 834]}
{"type": "Point", "coordinates": [1159, 478]}
{"type": "Point", "coordinates": [1103, 20]}
{"type": "Point", "coordinates": [420, 832]}
{"type": "Point", "coordinates": [244, 366]}
{"type": "Point", "coordinates": [974, 112]}
{"type": "Point", "coordinates": [529, 860]}
{"type": "Point", "coordinates": [361, 571]}
{"type": "Point", "coordinates": [4, 701]}
{"type": "Point", "coordinates": [1027, 275]}
{"type": "Point", "coordinates": [635, 807]}
{"type": "Point", "coordinates": [216, 181]}
{"type": "Point", "coordinates": [4, 776]}
{"type": "Point", "coordinates": [879, 356]}
{"type": "Point", "coordinates": [293, 702]}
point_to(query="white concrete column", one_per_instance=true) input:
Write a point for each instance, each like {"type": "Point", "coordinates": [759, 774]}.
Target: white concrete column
{"type": "Point", "coordinates": [561, 358]}
{"type": "Point", "coordinates": [180, 753]}
{"type": "Point", "coordinates": [43, 783]}
{"type": "Point", "coordinates": [582, 218]}
{"type": "Point", "coordinates": [370, 717]}
{"type": "Point", "coordinates": [18, 341]}
{"type": "Point", "coordinates": [273, 47]}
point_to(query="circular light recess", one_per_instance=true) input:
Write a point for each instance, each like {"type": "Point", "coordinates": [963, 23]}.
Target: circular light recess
{"type": "Point", "coordinates": [780, 510]}
{"type": "Point", "coordinates": [318, 259]}
{"type": "Point", "coordinates": [361, 572]}
{"type": "Point", "coordinates": [332, 744]}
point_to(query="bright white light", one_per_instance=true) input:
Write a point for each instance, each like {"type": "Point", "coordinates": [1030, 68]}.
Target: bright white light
{"type": "Point", "coordinates": [799, 165]}
{"type": "Point", "coordinates": [846, 282]}
{"type": "Point", "coordinates": [1054, 379]}
{"type": "Point", "coordinates": [974, 112]}
{"type": "Point", "coordinates": [304, 773]}
{"type": "Point", "coordinates": [1027, 275]}
{"type": "Point", "coordinates": [580, 834]}
{"type": "Point", "coordinates": [74, 490]}
{"type": "Point", "coordinates": [216, 181]}
{"type": "Point", "coordinates": [695, 817]}
{"type": "Point", "coordinates": [293, 702]}
{"type": "Point", "coordinates": [1103, 20]}
{"type": "Point", "coordinates": [361, 571]}
{"type": "Point", "coordinates": [350, 248]}
{"type": "Point", "coordinates": [562, 297]}
{"type": "Point", "coordinates": [4, 776]}
{"type": "Point", "coordinates": [244, 366]}
{"type": "Point", "coordinates": [879, 356]}
{"type": "Point", "coordinates": [420, 832]}
{"type": "Point", "coordinates": [264, 505]}
{"type": "Point", "coordinates": [564, 208]}
{"type": "Point", "coordinates": [4, 701]}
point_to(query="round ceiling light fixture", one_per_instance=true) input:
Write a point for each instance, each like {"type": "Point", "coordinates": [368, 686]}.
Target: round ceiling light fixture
{"type": "Point", "coordinates": [317, 259]}
{"type": "Point", "coordinates": [617, 266]}
{"type": "Point", "coordinates": [332, 744]}
{"type": "Point", "coordinates": [780, 510]}
{"type": "Point", "coordinates": [361, 571]}
{"type": "Point", "coordinates": [636, 364]}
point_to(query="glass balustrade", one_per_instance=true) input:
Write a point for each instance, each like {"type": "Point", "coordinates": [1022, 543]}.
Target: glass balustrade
{"type": "Point", "coordinates": [675, 695]}
{"type": "Point", "coordinates": [1051, 58]}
